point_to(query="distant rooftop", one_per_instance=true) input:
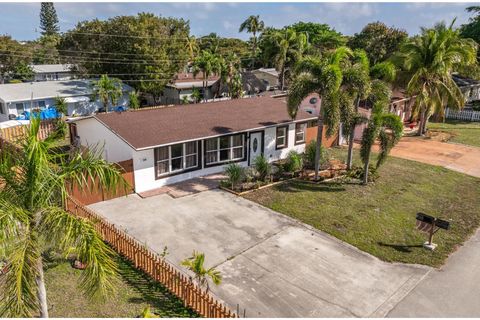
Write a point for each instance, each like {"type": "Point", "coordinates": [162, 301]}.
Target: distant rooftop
{"type": "Point", "coordinates": [185, 80]}
{"type": "Point", "coordinates": [462, 81]}
{"type": "Point", "coordinates": [12, 92]}
{"type": "Point", "coordinates": [50, 68]}
{"type": "Point", "coordinates": [271, 71]}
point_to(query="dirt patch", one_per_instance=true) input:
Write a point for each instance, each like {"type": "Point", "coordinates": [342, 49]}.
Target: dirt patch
{"type": "Point", "coordinates": [441, 136]}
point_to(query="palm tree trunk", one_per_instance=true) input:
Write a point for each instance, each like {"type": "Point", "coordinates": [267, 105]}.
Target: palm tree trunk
{"type": "Point", "coordinates": [41, 291]}
{"type": "Point", "coordinates": [283, 79]}
{"type": "Point", "coordinates": [422, 121]}
{"type": "Point", "coordinates": [365, 169]}
{"type": "Point", "coordinates": [254, 49]}
{"type": "Point", "coordinates": [318, 146]}
{"type": "Point", "coordinates": [351, 138]}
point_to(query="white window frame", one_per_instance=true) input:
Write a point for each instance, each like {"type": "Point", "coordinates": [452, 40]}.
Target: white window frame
{"type": "Point", "coordinates": [183, 156]}
{"type": "Point", "coordinates": [302, 131]}
{"type": "Point", "coordinates": [230, 148]}
{"type": "Point", "coordinates": [285, 137]}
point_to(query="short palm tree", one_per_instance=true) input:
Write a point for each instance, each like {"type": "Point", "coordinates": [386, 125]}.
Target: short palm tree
{"type": "Point", "coordinates": [33, 189]}
{"type": "Point", "coordinates": [322, 76]}
{"type": "Point", "coordinates": [133, 100]}
{"type": "Point", "coordinates": [382, 125]}
{"type": "Point", "coordinates": [429, 60]}
{"type": "Point", "coordinates": [195, 264]}
{"type": "Point", "coordinates": [253, 25]}
{"type": "Point", "coordinates": [108, 90]}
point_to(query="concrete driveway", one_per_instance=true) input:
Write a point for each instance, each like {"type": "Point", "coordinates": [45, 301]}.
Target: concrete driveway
{"type": "Point", "coordinates": [272, 265]}
{"type": "Point", "coordinates": [457, 157]}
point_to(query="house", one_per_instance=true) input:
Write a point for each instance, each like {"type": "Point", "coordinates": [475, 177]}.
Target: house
{"type": "Point", "coordinates": [171, 144]}
{"type": "Point", "coordinates": [52, 72]}
{"type": "Point", "coordinates": [182, 87]}
{"type": "Point", "coordinates": [269, 76]}
{"type": "Point", "coordinates": [16, 98]}
{"type": "Point", "coordinates": [470, 87]}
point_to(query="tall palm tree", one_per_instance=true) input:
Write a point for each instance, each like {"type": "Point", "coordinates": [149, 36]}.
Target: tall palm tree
{"type": "Point", "coordinates": [33, 188]}
{"type": "Point", "coordinates": [289, 50]}
{"type": "Point", "coordinates": [109, 90]}
{"type": "Point", "coordinates": [195, 264]}
{"type": "Point", "coordinates": [355, 87]}
{"type": "Point", "coordinates": [322, 76]}
{"type": "Point", "coordinates": [230, 74]}
{"type": "Point", "coordinates": [253, 25]}
{"type": "Point", "coordinates": [207, 63]}
{"type": "Point", "coordinates": [429, 60]}
{"type": "Point", "coordinates": [382, 125]}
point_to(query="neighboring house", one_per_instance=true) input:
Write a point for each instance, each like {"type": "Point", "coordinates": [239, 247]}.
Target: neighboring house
{"type": "Point", "coordinates": [52, 72]}
{"type": "Point", "coordinates": [16, 98]}
{"type": "Point", "coordinates": [470, 87]}
{"type": "Point", "coordinates": [172, 144]}
{"type": "Point", "coordinates": [269, 76]}
{"type": "Point", "coordinates": [251, 84]}
{"type": "Point", "coordinates": [184, 83]}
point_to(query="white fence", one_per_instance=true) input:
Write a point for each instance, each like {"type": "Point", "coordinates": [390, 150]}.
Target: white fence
{"type": "Point", "coordinates": [466, 115]}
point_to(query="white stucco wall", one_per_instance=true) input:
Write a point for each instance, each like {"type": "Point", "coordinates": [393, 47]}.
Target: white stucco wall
{"type": "Point", "coordinates": [94, 134]}
{"type": "Point", "coordinates": [144, 166]}
{"type": "Point", "coordinates": [270, 137]}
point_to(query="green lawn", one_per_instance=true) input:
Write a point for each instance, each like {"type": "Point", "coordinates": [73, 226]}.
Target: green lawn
{"type": "Point", "coordinates": [462, 132]}
{"type": "Point", "coordinates": [380, 218]}
{"type": "Point", "coordinates": [135, 291]}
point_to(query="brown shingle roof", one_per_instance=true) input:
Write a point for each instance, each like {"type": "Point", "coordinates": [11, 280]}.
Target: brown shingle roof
{"type": "Point", "coordinates": [150, 128]}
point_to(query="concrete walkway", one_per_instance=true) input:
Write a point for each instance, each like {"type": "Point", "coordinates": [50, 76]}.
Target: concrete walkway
{"type": "Point", "coordinates": [272, 265]}
{"type": "Point", "coordinates": [457, 157]}
{"type": "Point", "coordinates": [450, 292]}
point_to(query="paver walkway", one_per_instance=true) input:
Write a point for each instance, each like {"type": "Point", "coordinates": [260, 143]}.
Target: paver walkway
{"type": "Point", "coordinates": [272, 265]}
{"type": "Point", "coordinates": [457, 157]}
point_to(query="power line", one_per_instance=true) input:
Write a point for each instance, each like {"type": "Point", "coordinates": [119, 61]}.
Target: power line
{"type": "Point", "coordinates": [101, 60]}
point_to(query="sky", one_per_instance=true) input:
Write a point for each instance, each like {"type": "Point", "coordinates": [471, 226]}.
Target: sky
{"type": "Point", "coordinates": [21, 20]}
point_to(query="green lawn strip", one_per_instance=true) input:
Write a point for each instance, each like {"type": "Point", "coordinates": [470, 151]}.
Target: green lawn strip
{"type": "Point", "coordinates": [134, 292]}
{"type": "Point", "coordinates": [380, 218]}
{"type": "Point", "coordinates": [463, 132]}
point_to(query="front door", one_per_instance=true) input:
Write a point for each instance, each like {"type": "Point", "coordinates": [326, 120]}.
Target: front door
{"type": "Point", "coordinates": [256, 145]}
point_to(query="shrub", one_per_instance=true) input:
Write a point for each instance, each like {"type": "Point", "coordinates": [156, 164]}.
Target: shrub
{"type": "Point", "coordinates": [358, 172]}
{"type": "Point", "coordinates": [294, 162]}
{"type": "Point", "coordinates": [234, 174]}
{"type": "Point", "coordinates": [310, 154]}
{"type": "Point", "coordinates": [262, 166]}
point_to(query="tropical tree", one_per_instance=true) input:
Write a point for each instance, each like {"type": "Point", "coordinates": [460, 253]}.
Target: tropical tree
{"type": "Point", "coordinates": [320, 36]}
{"type": "Point", "coordinates": [230, 75]}
{"type": "Point", "coordinates": [253, 25]}
{"type": "Point", "coordinates": [133, 100]}
{"type": "Point", "coordinates": [108, 90]}
{"type": "Point", "coordinates": [382, 125]}
{"type": "Point", "coordinates": [196, 264]}
{"type": "Point", "coordinates": [207, 63]}
{"type": "Point", "coordinates": [429, 60]}
{"type": "Point", "coordinates": [322, 76]}
{"type": "Point", "coordinates": [196, 95]}
{"type": "Point", "coordinates": [378, 40]}
{"type": "Point", "coordinates": [34, 184]}
{"type": "Point", "coordinates": [289, 48]}
{"type": "Point", "coordinates": [192, 47]}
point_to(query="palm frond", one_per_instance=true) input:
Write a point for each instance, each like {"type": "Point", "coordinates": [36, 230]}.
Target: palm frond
{"type": "Point", "coordinates": [77, 235]}
{"type": "Point", "coordinates": [19, 297]}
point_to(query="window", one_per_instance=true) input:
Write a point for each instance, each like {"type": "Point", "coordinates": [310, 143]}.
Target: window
{"type": "Point", "coordinates": [300, 132]}
{"type": "Point", "coordinates": [41, 104]}
{"type": "Point", "coordinates": [282, 138]}
{"type": "Point", "coordinates": [224, 149]}
{"type": "Point", "coordinates": [20, 108]}
{"type": "Point", "coordinates": [176, 158]}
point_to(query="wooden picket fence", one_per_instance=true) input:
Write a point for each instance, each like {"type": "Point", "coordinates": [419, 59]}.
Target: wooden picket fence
{"type": "Point", "coordinates": [466, 115]}
{"type": "Point", "coordinates": [16, 133]}
{"type": "Point", "coordinates": [155, 266]}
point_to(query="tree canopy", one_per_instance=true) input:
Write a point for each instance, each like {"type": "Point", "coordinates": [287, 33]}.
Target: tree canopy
{"type": "Point", "coordinates": [145, 50]}
{"type": "Point", "coordinates": [319, 35]}
{"type": "Point", "coordinates": [378, 40]}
